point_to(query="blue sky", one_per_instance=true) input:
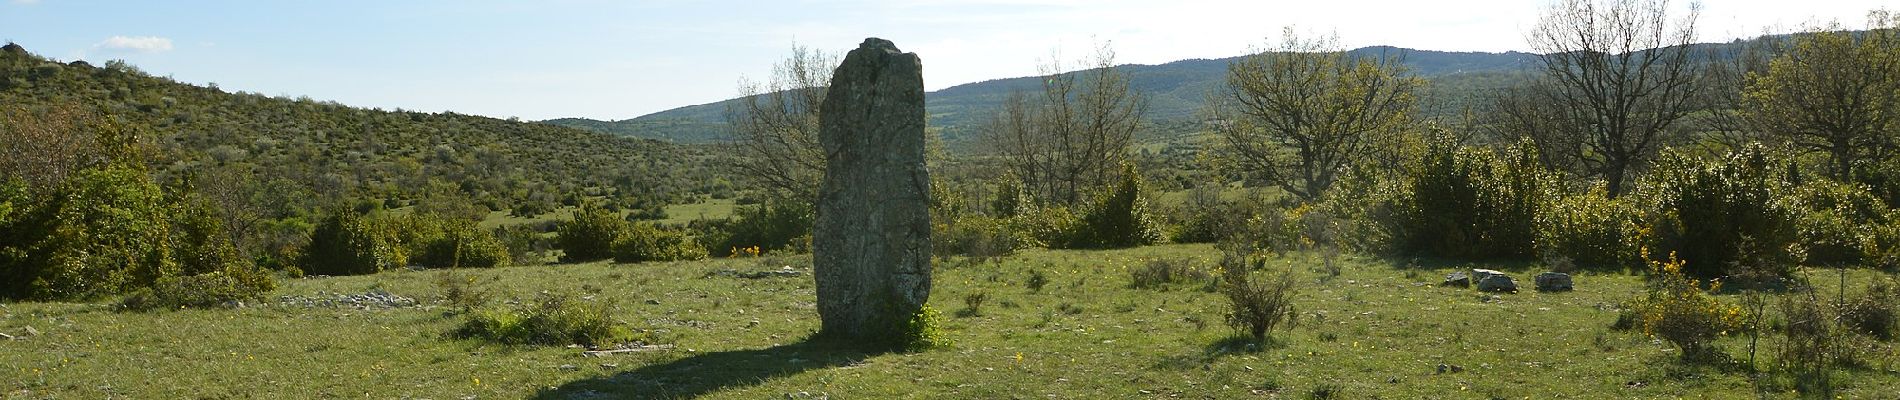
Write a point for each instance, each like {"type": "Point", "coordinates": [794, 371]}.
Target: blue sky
{"type": "Point", "coordinates": [620, 59]}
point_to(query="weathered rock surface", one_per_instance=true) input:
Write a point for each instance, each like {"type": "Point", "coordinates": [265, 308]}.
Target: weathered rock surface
{"type": "Point", "coordinates": [1478, 275]}
{"type": "Point", "coordinates": [1552, 282]}
{"type": "Point", "coordinates": [1456, 278]}
{"type": "Point", "coordinates": [871, 238]}
{"type": "Point", "coordinates": [1497, 283]}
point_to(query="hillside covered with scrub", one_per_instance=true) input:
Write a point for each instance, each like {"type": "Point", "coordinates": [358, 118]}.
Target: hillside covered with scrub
{"type": "Point", "coordinates": [1633, 218]}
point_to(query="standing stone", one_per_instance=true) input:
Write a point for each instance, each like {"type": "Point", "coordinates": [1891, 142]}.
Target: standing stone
{"type": "Point", "coordinates": [871, 239]}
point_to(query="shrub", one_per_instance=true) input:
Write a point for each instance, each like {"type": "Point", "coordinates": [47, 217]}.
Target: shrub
{"type": "Point", "coordinates": [1809, 347]}
{"type": "Point", "coordinates": [1370, 207]}
{"type": "Point", "coordinates": [1590, 229]}
{"type": "Point", "coordinates": [1465, 202]}
{"type": "Point", "coordinates": [1036, 280]}
{"type": "Point", "coordinates": [644, 242]}
{"type": "Point", "coordinates": [1012, 197]}
{"type": "Point", "coordinates": [1214, 221]}
{"type": "Point", "coordinates": [1044, 226]}
{"type": "Point", "coordinates": [975, 236]}
{"type": "Point", "coordinates": [101, 232]}
{"type": "Point", "coordinates": [1256, 306]}
{"type": "Point", "coordinates": [1118, 219]}
{"type": "Point", "coordinates": [208, 272]}
{"type": "Point", "coordinates": [531, 208]}
{"type": "Point", "coordinates": [461, 291]}
{"type": "Point", "coordinates": [550, 320]}
{"type": "Point", "coordinates": [1883, 246]}
{"type": "Point", "coordinates": [1874, 312]}
{"type": "Point", "coordinates": [973, 304]}
{"type": "Point", "coordinates": [109, 230]}
{"type": "Point", "coordinates": [591, 234]}
{"type": "Point", "coordinates": [1838, 221]}
{"type": "Point", "coordinates": [1677, 310]}
{"type": "Point", "coordinates": [1710, 211]}
{"type": "Point", "coordinates": [1272, 230]}
{"type": "Point", "coordinates": [215, 289]}
{"type": "Point", "coordinates": [924, 331]}
{"type": "Point", "coordinates": [1881, 177]}
{"type": "Point", "coordinates": [1159, 273]}
{"type": "Point", "coordinates": [777, 225]}
{"type": "Point", "coordinates": [349, 243]}
{"type": "Point", "coordinates": [524, 243]}
{"type": "Point", "coordinates": [461, 244]}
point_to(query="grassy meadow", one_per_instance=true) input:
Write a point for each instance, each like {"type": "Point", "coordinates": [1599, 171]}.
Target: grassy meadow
{"type": "Point", "coordinates": [1375, 329]}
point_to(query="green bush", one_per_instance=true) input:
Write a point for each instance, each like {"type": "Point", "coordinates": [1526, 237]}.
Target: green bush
{"type": "Point", "coordinates": [1883, 246]}
{"type": "Point", "coordinates": [1876, 312]}
{"type": "Point", "coordinates": [1159, 273]}
{"type": "Point", "coordinates": [550, 320]}
{"type": "Point", "coordinates": [1677, 309]}
{"type": "Point", "coordinates": [1465, 202]}
{"type": "Point", "coordinates": [644, 242]}
{"type": "Point", "coordinates": [1209, 223]}
{"type": "Point", "coordinates": [1368, 205]}
{"type": "Point", "coordinates": [975, 236]}
{"type": "Point", "coordinates": [461, 244]}
{"type": "Point", "coordinates": [1256, 306]}
{"type": "Point", "coordinates": [1715, 214]}
{"type": "Point", "coordinates": [1881, 177]}
{"type": "Point", "coordinates": [461, 291]}
{"type": "Point", "coordinates": [102, 232]}
{"type": "Point", "coordinates": [591, 234]}
{"type": "Point", "coordinates": [1045, 226]}
{"type": "Point", "coordinates": [110, 230]}
{"type": "Point", "coordinates": [350, 243]}
{"type": "Point", "coordinates": [524, 243]}
{"type": "Point", "coordinates": [214, 289]}
{"type": "Point", "coordinates": [1590, 229]}
{"type": "Point", "coordinates": [1118, 219]}
{"type": "Point", "coordinates": [531, 208]}
{"type": "Point", "coordinates": [1838, 222]}
{"type": "Point", "coordinates": [924, 331]}
{"type": "Point", "coordinates": [774, 226]}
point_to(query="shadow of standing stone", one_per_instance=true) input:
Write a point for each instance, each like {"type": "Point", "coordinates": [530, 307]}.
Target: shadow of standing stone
{"type": "Point", "coordinates": [871, 238]}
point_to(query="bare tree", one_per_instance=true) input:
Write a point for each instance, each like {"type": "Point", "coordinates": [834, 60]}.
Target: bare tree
{"type": "Point", "coordinates": [1527, 112]}
{"type": "Point", "coordinates": [1300, 113]}
{"type": "Point", "coordinates": [1625, 71]}
{"type": "Point", "coordinates": [1833, 92]}
{"type": "Point", "coordinates": [776, 124]}
{"type": "Point", "coordinates": [42, 147]}
{"type": "Point", "coordinates": [1724, 83]}
{"type": "Point", "coordinates": [1070, 139]}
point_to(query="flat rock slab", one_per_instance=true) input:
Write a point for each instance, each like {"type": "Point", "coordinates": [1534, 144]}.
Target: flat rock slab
{"type": "Point", "coordinates": [1553, 282]}
{"type": "Point", "coordinates": [1457, 278]}
{"type": "Point", "coordinates": [1497, 283]}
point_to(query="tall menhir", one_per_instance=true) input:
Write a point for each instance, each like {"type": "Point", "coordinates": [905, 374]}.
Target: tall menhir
{"type": "Point", "coordinates": [871, 239]}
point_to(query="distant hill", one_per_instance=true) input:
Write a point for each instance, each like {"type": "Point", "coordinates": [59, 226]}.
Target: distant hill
{"type": "Point", "coordinates": [346, 152]}
{"type": "Point", "coordinates": [1175, 93]}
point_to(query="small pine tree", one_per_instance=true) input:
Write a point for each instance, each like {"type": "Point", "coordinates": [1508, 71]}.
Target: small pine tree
{"type": "Point", "coordinates": [1118, 219]}
{"type": "Point", "coordinates": [591, 234]}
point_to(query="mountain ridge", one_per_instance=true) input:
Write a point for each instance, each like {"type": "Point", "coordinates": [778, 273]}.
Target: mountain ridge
{"type": "Point", "coordinates": [1175, 92]}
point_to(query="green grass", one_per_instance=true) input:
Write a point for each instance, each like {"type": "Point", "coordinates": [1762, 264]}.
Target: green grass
{"type": "Point", "coordinates": [709, 209]}
{"type": "Point", "coordinates": [497, 219]}
{"type": "Point", "coordinates": [675, 214]}
{"type": "Point", "coordinates": [1374, 330]}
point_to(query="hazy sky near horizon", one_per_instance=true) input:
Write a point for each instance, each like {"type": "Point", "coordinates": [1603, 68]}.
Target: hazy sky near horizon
{"type": "Point", "coordinates": [614, 60]}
